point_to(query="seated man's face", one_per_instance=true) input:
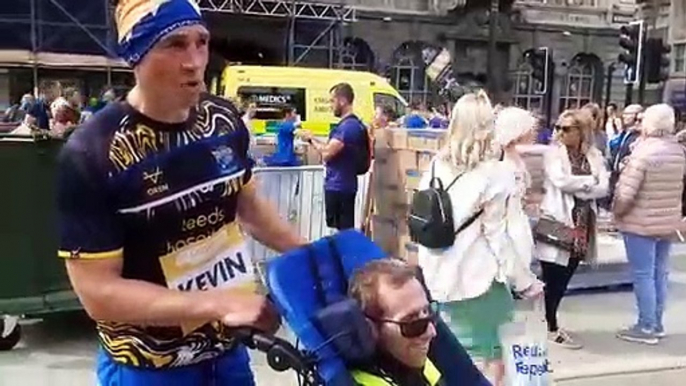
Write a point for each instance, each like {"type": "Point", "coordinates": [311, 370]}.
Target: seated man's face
{"type": "Point", "coordinates": [405, 309]}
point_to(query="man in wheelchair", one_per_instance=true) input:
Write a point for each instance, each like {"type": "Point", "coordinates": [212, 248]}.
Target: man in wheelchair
{"type": "Point", "coordinates": [361, 319]}
{"type": "Point", "coordinates": [403, 324]}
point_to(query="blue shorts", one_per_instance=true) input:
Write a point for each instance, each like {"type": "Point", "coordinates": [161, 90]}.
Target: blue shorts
{"type": "Point", "coordinates": [231, 369]}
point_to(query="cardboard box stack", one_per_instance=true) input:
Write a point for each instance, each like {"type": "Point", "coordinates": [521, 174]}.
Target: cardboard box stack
{"type": "Point", "coordinates": [401, 158]}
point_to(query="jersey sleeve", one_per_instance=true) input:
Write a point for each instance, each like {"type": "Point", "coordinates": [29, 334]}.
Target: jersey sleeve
{"type": "Point", "coordinates": [89, 227]}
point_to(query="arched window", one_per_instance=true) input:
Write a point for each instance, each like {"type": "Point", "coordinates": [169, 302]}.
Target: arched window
{"type": "Point", "coordinates": [408, 73]}
{"type": "Point", "coordinates": [355, 54]}
{"type": "Point", "coordinates": [523, 90]}
{"type": "Point", "coordinates": [583, 83]}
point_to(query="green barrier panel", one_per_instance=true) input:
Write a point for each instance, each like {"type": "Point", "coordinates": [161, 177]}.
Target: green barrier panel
{"type": "Point", "coordinates": [31, 274]}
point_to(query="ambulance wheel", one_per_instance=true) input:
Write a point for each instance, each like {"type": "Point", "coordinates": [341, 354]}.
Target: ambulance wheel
{"type": "Point", "coordinates": [10, 333]}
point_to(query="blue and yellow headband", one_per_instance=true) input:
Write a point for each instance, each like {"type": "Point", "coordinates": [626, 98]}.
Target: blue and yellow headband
{"type": "Point", "coordinates": [142, 23]}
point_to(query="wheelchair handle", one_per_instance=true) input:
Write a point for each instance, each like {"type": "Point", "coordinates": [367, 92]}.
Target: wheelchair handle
{"type": "Point", "coordinates": [281, 355]}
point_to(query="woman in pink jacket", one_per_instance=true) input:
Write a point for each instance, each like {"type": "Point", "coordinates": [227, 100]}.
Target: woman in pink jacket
{"type": "Point", "coordinates": [647, 209]}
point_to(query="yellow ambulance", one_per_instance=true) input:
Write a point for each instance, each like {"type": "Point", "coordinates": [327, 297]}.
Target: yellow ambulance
{"type": "Point", "coordinates": [307, 91]}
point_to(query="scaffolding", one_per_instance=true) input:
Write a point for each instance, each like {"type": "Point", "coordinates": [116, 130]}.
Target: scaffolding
{"type": "Point", "coordinates": [58, 34]}
{"type": "Point", "coordinates": [315, 30]}
{"type": "Point", "coordinates": [79, 34]}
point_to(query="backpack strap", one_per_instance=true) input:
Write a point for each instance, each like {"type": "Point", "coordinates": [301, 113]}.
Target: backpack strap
{"type": "Point", "coordinates": [454, 181]}
{"type": "Point", "coordinates": [438, 183]}
{"type": "Point", "coordinates": [469, 221]}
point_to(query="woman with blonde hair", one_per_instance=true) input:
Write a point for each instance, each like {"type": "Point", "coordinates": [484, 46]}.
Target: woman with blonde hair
{"type": "Point", "coordinates": [575, 177]}
{"type": "Point", "coordinates": [474, 277]}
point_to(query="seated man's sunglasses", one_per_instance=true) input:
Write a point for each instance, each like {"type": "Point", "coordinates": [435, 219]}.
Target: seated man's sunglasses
{"type": "Point", "coordinates": [416, 327]}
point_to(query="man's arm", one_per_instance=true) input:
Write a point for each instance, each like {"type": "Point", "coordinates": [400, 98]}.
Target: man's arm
{"type": "Point", "coordinates": [329, 149]}
{"type": "Point", "coordinates": [261, 219]}
{"type": "Point", "coordinates": [91, 242]}
{"type": "Point", "coordinates": [105, 295]}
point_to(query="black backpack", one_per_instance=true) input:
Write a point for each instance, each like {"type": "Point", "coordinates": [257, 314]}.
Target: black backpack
{"type": "Point", "coordinates": [364, 154]}
{"type": "Point", "coordinates": [431, 215]}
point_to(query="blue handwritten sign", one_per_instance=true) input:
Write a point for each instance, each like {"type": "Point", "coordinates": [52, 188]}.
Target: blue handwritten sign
{"type": "Point", "coordinates": [528, 365]}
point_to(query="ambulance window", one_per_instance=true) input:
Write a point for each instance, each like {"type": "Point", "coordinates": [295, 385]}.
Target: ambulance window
{"type": "Point", "coordinates": [270, 101]}
{"type": "Point", "coordinates": [389, 100]}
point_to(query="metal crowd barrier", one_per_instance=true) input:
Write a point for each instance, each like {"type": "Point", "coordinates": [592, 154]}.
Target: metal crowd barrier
{"type": "Point", "coordinates": [298, 194]}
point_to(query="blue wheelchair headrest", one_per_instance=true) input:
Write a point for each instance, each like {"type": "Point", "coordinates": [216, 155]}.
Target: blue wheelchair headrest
{"type": "Point", "coordinates": [309, 288]}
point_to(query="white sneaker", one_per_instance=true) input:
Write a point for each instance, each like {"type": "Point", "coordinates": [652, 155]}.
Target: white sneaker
{"type": "Point", "coordinates": [562, 339]}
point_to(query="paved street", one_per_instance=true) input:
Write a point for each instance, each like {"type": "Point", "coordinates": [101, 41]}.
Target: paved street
{"type": "Point", "coordinates": [662, 378]}
{"type": "Point", "coordinates": [60, 351]}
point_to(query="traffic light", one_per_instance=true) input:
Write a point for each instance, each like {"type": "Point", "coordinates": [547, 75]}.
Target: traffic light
{"type": "Point", "coordinates": [540, 61]}
{"type": "Point", "coordinates": [631, 40]}
{"type": "Point", "coordinates": [658, 61]}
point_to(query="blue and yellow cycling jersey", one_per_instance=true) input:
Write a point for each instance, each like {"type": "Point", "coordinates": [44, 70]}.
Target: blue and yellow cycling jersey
{"type": "Point", "coordinates": [163, 197]}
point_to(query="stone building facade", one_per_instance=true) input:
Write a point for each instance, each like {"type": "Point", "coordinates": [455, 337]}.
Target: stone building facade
{"type": "Point", "coordinates": [388, 36]}
{"type": "Point", "coordinates": [675, 90]}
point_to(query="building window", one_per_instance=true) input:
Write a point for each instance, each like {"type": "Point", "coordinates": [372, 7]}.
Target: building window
{"type": "Point", "coordinates": [680, 58]}
{"type": "Point", "coordinates": [408, 74]}
{"type": "Point", "coordinates": [524, 86]}
{"type": "Point", "coordinates": [579, 86]}
{"type": "Point", "coordinates": [355, 54]}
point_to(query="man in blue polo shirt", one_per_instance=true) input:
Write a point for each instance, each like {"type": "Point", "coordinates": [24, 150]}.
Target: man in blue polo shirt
{"type": "Point", "coordinates": [339, 154]}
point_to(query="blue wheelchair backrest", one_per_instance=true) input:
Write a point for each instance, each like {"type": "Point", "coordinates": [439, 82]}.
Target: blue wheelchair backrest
{"type": "Point", "coordinates": [309, 287]}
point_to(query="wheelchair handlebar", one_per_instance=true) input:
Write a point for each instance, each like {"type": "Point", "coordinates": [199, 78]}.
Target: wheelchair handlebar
{"type": "Point", "coordinates": [281, 354]}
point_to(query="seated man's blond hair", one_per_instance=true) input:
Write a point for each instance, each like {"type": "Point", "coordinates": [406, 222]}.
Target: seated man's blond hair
{"type": "Point", "coordinates": [365, 282]}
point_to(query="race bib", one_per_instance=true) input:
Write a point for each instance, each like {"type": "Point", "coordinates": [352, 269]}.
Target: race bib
{"type": "Point", "coordinates": [221, 261]}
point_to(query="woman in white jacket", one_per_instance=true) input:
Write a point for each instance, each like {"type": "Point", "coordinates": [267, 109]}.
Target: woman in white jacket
{"type": "Point", "coordinates": [473, 279]}
{"type": "Point", "coordinates": [575, 176]}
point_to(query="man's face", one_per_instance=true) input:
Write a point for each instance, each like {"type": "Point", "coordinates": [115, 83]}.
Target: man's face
{"type": "Point", "coordinates": [337, 105]}
{"type": "Point", "coordinates": [407, 303]}
{"type": "Point", "coordinates": [629, 118]}
{"type": "Point", "coordinates": [174, 69]}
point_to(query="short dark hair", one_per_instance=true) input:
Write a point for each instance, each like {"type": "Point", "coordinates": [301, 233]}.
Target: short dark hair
{"type": "Point", "coordinates": [287, 110]}
{"type": "Point", "coordinates": [344, 90]}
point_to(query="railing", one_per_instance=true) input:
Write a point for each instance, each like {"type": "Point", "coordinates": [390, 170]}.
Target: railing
{"type": "Point", "coordinates": [298, 194]}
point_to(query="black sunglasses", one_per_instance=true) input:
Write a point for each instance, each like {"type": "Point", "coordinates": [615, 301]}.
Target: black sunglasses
{"type": "Point", "coordinates": [417, 327]}
{"type": "Point", "coordinates": [564, 129]}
